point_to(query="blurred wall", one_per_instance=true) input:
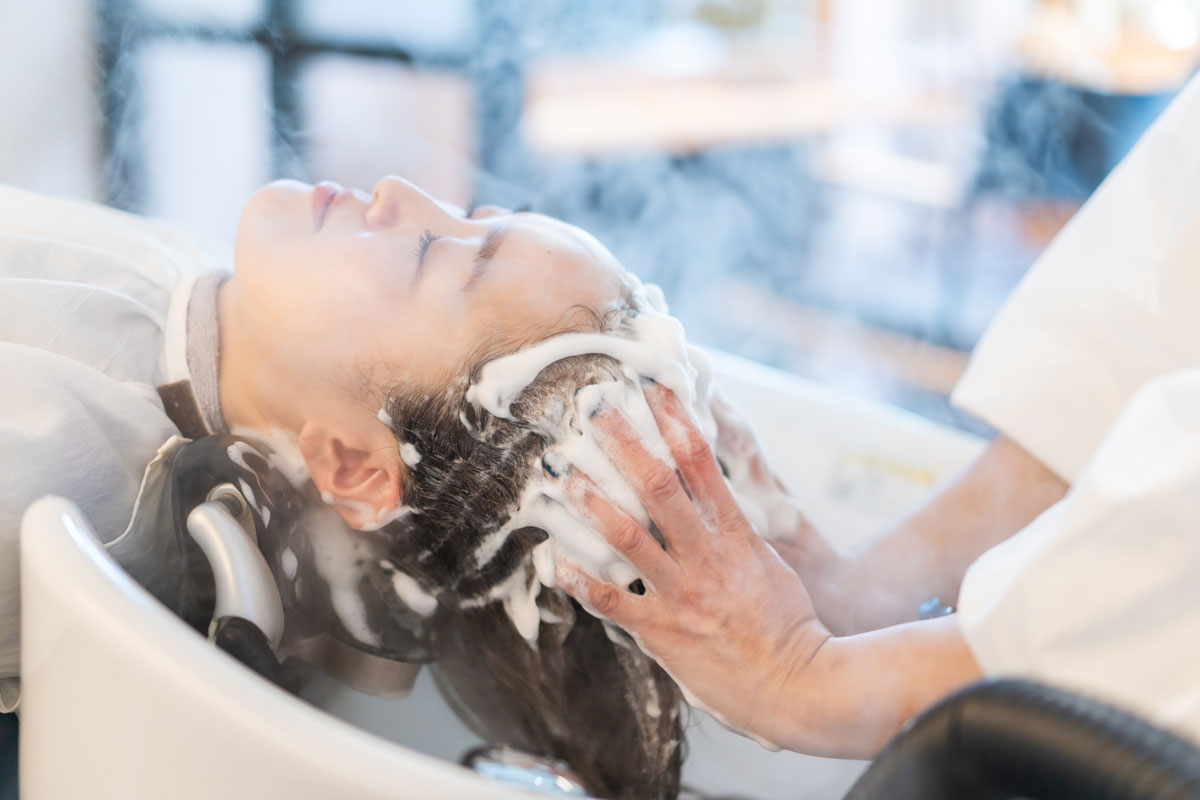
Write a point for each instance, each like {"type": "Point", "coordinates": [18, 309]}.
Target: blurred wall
{"type": "Point", "coordinates": [50, 128]}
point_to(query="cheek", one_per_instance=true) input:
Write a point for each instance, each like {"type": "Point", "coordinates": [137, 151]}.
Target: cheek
{"type": "Point", "coordinates": [264, 246]}
{"type": "Point", "coordinates": [363, 293]}
{"type": "Point", "coordinates": [293, 287]}
{"type": "Point", "coordinates": [383, 265]}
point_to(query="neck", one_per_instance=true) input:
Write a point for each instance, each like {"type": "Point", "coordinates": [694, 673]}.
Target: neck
{"type": "Point", "coordinates": [243, 399]}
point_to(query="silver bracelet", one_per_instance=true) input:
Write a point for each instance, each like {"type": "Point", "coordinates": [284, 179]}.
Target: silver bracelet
{"type": "Point", "coordinates": [933, 608]}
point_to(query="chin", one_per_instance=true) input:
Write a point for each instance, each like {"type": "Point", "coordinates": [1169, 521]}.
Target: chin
{"type": "Point", "coordinates": [286, 185]}
{"type": "Point", "coordinates": [277, 196]}
{"type": "Point", "coordinates": [274, 209]}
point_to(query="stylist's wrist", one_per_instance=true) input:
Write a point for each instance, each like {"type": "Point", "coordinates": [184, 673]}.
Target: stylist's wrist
{"type": "Point", "coordinates": [787, 701]}
{"type": "Point", "coordinates": [817, 711]}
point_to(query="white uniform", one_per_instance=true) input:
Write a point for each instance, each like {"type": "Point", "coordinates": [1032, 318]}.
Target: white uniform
{"type": "Point", "coordinates": [85, 313]}
{"type": "Point", "coordinates": [1094, 367]}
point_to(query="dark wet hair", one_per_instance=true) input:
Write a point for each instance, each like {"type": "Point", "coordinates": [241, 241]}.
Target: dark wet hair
{"type": "Point", "coordinates": [584, 692]}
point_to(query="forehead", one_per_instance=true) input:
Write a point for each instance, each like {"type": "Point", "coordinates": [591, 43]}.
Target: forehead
{"type": "Point", "coordinates": [560, 242]}
{"type": "Point", "coordinates": [544, 270]}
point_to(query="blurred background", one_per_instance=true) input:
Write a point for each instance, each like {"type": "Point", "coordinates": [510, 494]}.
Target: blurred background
{"type": "Point", "coordinates": [845, 189]}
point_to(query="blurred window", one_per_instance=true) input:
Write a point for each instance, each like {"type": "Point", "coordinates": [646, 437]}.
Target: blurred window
{"type": "Point", "coordinates": [205, 131]}
{"type": "Point", "coordinates": [205, 100]}
{"type": "Point", "coordinates": [442, 26]}
{"type": "Point", "coordinates": [233, 13]}
{"type": "Point", "coordinates": [371, 117]}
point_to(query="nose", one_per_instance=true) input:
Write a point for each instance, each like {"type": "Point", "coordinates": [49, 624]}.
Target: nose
{"type": "Point", "coordinates": [396, 201]}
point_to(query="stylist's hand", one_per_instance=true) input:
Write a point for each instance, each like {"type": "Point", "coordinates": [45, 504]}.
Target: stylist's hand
{"type": "Point", "coordinates": [722, 613]}
{"type": "Point", "coordinates": [800, 544]}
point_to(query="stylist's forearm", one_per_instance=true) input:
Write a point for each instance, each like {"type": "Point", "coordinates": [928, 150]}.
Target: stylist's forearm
{"type": "Point", "coordinates": [858, 691]}
{"type": "Point", "coordinates": [927, 554]}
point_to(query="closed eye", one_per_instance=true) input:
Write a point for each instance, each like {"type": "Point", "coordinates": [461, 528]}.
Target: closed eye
{"type": "Point", "coordinates": [427, 238]}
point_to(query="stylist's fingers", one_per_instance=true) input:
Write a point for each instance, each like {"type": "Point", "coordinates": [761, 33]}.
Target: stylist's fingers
{"type": "Point", "coordinates": [622, 531]}
{"type": "Point", "coordinates": [737, 438]}
{"type": "Point", "coordinates": [696, 461]}
{"type": "Point", "coordinates": [602, 599]}
{"type": "Point", "coordinates": [654, 481]}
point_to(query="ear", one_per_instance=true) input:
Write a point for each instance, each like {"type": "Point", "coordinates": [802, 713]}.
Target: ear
{"type": "Point", "coordinates": [355, 464]}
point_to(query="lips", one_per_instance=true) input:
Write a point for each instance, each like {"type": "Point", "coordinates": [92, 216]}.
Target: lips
{"type": "Point", "coordinates": [323, 196]}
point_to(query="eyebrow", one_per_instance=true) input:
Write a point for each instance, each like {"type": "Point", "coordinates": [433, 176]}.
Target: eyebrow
{"type": "Point", "coordinates": [483, 258]}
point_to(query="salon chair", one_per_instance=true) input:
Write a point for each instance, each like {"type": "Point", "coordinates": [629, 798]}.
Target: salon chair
{"type": "Point", "coordinates": [8, 757]}
{"type": "Point", "coordinates": [1008, 738]}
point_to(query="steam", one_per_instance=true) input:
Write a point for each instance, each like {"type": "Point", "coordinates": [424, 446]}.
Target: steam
{"type": "Point", "coordinates": [187, 125]}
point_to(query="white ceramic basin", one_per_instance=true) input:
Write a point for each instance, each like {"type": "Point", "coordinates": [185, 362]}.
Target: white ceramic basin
{"type": "Point", "coordinates": [123, 700]}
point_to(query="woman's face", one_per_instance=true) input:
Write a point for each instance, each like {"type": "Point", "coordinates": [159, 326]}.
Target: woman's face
{"type": "Point", "coordinates": [396, 286]}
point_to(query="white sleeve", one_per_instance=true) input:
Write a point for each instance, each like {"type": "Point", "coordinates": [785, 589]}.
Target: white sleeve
{"type": "Point", "coordinates": [154, 249]}
{"type": "Point", "coordinates": [1113, 302]}
{"type": "Point", "coordinates": [1102, 592]}
{"type": "Point", "coordinates": [69, 430]}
